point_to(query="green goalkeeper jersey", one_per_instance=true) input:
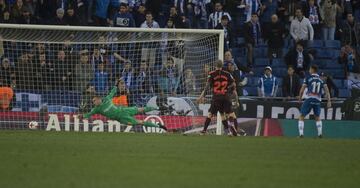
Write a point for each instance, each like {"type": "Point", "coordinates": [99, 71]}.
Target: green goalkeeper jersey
{"type": "Point", "coordinates": [107, 108]}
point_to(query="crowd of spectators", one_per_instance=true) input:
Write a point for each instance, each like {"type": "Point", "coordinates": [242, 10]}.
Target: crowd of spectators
{"type": "Point", "coordinates": [259, 22]}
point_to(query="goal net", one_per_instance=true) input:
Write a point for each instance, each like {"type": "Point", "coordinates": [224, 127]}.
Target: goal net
{"type": "Point", "coordinates": [50, 74]}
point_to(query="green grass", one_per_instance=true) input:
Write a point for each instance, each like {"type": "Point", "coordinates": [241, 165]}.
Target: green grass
{"type": "Point", "coordinates": [48, 159]}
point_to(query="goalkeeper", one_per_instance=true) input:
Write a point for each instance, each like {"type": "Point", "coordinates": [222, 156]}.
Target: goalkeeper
{"type": "Point", "coordinates": [124, 115]}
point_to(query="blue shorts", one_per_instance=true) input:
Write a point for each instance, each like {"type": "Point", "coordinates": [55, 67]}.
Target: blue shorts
{"type": "Point", "coordinates": [309, 104]}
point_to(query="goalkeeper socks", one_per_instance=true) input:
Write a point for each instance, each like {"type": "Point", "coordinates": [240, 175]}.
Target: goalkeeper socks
{"type": "Point", "coordinates": [150, 124]}
{"type": "Point", "coordinates": [149, 109]}
{"type": "Point", "coordinates": [319, 127]}
{"type": "Point", "coordinates": [207, 123]}
{"type": "Point", "coordinates": [301, 128]}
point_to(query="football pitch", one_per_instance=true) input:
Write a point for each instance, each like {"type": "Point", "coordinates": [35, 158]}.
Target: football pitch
{"type": "Point", "coordinates": [50, 159]}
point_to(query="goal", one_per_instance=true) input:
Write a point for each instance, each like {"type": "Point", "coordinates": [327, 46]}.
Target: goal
{"type": "Point", "coordinates": [53, 72]}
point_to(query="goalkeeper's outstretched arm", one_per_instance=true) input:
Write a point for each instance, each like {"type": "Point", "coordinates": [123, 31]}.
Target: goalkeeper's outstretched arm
{"type": "Point", "coordinates": [89, 114]}
{"type": "Point", "coordinates": [112, 93]}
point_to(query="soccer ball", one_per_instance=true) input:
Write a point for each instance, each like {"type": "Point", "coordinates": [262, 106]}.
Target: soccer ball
{"type": "Point", "coordinates": [33, 125]}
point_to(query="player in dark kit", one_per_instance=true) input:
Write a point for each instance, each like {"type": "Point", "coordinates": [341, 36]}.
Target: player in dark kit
{"type": "Point", "coordinates": [222, 84]}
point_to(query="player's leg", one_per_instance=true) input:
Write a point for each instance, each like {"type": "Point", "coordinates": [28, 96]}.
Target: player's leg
{"type": "Point", "coordinates": [305, 109]}
{"type": "Point", "coordinates": [224, 121]}
{"type": "Point", "coordinates": [226, 107]}
{"type": "Point", "coordinates": [232, 120]}
{"type": "Point", "coordinates": [129, 120]}
{"type": "Point", "coordinates": [211, 113]}
{"type": "Point", "coordinates": [317, 109]}
{"type": "Point", "coordinates": [207, 123]}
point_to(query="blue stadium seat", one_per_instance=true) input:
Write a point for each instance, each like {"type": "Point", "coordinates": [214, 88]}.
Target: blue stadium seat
{"type": "Point", "coordinates": [260, 52]}
{"type": "Point", "coordinates": [333, 65]}
{"type": "Point", "coordinates": [324, 53]}
{"type": "Point", "coordinates": [315, 44]}
{"type": "Point", "coordinates": [242, 60]}
{"type": "Point", "coordinates": [335, 73]}
{"type": "Point", "coordinates": [339, 83]}
{"type": "Point", "coordinates": [252, 91]}
{"type": "Point", "coordinates": [258, 71]}
{"type": "Point", "coordinates": [332, 44]}
{"type": "Point", "coordinates": [238, 52]}
{"type": "Point", "coordinates": [344, 93]}
{"type": "Point", "coordinates": [240, 41]}
{"type": "Point", "coordinates": [278, 63]}
{"type": "Point", "coordinates": [320, 62]}
{"type": "Point", "coordinates": [285, 51]}
{"type": "Point", "coordinates": [253, 81]}
{"type": "Point", "coordinates": [261, 62]}
{"type": "Point", "coordinates": [279, 72]}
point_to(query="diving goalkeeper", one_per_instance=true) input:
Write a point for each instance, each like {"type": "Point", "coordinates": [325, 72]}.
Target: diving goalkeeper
{"type": "Point", "coordinates": [124, 115]}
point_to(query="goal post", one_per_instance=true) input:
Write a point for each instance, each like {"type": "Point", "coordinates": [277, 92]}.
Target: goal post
{"type": "Point", "coordinates": [55, 70]}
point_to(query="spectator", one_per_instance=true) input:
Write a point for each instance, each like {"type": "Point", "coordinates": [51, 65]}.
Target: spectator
{"type": "Point", "coordinates": [200, 14]}
{"type": "Point", "coordinates": [203, 76]}
{"type": "Point", "coordinates": [328, 14]}
{"type": "Point", "coordinates": [143, 79]}
{"type": "Point", "coordinates": [356, 9]}
{"type": "Point", "coordinates": [274, 35]}
{"type": "Point", "coordinates": [59, 19]}
{"type": "Point", "coordinates": [148, 51]}
{"type": "Point", "coordinates": [348, 58]}
{"type": "Point", "coordinates": [86, 103]}
{"type": "Point", "coordinates": [24, 71]}
{"type": "Point", "coordinates": [17, 9]}
{"type": "Point", "coordinates": [299, 58]}
{"type": "Point", "coordinates": [5, 17]}
{"type": "Point", "coordinates": [215, 17]}
{"type": "Point", "coordinates": [84, 72]}
{"type": "Point", "coordinates": [7, 74]}
{"type": "Point", "coordinates": [268, 84]}
{"type": "Point", "coordinates": [123, 18]}
{"type": "Point", "coordinates": [100, 15]}
{"type": "Point", "coordinates": [3, 7]}
{"type": "Point", "coordinates": [301, 28]}
{"type": "Point", "coordinates": [139, 15]}
{"type": "Point", "coordinates": [127, 74]}
{"type": "Point", "coordinates": [313, 13]}
{"type": "Point", "coordinates": [252, 34]}
{"type": "Point", "coordinates": [252, 7]}
{"type": "Point", "coordinates": [333, 89]}
{"type": "Point", "coordinates": [190, 84]}
{"type": "Point", "coordinates": [179, 21]}
{"type": "Point", "coordinates": [239, 76]}
{"type": "Point", "coordinates": [6, 97]}
{"type": "Point", "coordinates": [41, 72]}
{"type": "Point", "coordinates": [291, 84]}
{"type": "Point", "coordinates": [96, 58]}
{"type": "Point", "coordinates": [27, 17]}
{"type": "Point", "coordinates": [168, 81]}
{"type": "Point", "coordinates": [228, 58]}
{"type": "Point", "coordinates": [149, 21]}
{"type": "Point", "coordinates": [101, 79]}
{"type": "Point", "coordinates": [45, 10]}
{"type": "Point", "coordinates": [228, 32]}
{"type": "Point", "coordinates": [64, 71]}
{"type": "Point", "coordinates": [180, 6]}
{"type": "Point", "coordinates": [268, 9]}
{"type": "Point", "coordinates": [350, 31]}
{"type": "Point", "coordinates": [71, 18]}
{"type": "Point", "coordinates": [122, 97]}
